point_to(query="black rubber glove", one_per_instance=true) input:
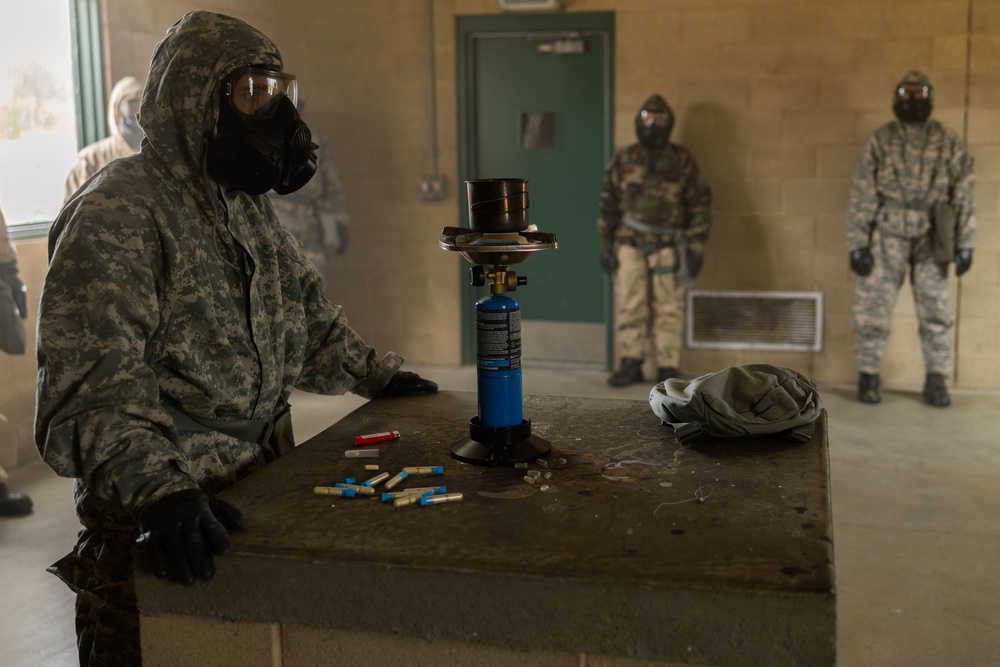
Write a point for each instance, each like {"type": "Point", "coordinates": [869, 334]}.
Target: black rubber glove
{"type": "Point", "coordinates": [184, 530]}
{"type": "Point", "coordinates": [862, 261]}
{"type": "Point", "coordinates": [405, 382]}
{"type": "Point", "coordinates": [609, 263]}
{"type": "Point", "coordinates": [963, 260]}
{"type": "Point", "coordinates": [694, 263]}
{"type": "Point", "coordinates": [8, 273]}
{"type": "Point", "coordinates": [342, 237]}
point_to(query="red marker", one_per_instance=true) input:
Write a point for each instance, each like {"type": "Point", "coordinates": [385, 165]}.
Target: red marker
{"type": "Point", "coordinates": [372, 438]}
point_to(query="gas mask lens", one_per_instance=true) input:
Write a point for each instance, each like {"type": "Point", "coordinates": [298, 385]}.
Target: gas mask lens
{"type": "Point", "coordinates": [255, 92]}
{"type": "Point", "coordinates": [654, 118]}
{"type": "Point", "coordinates": [913, 93]}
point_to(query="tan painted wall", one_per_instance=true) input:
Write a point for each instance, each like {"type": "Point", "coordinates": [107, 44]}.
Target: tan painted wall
{"type": "Point", "coordinates": [773, 97]}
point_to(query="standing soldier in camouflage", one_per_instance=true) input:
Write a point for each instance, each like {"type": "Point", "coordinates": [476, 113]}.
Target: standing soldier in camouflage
{"type": "Point", "coordinates": [911, 210]}
{"type": "Point", "coordinates": [655, 216]}
{"type": "Point", "coordinates": [176, 317]}
{"type": "Point", "coordinates": [123, 139]}
{"type": "Point", "coordinates": [316, 214]}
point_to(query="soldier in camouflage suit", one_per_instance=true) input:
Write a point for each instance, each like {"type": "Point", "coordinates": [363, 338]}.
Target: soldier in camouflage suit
{"type": "Point", "coordinates": [123, 137]}
{"type": "Point", "coordinates": [907, 167]}
{"type": "Point", "coordinates": [316, 214]}
{"type": "Point", "coordinates": [655, 217]}
{"type": "Point", "coordinates": [176, 317]}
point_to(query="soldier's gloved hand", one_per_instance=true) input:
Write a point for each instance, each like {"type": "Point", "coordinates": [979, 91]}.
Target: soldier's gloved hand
{"type": "Point", "coordinates": [963, 260]}
{"type": "Point", "coordinates": [694, 261]}
{"type": "Point", "coordinates": [342, 238]}
{"type": "Point", "coordinates": [609, 263]}
{"type": "Point", "coordinates": [862, 261]}
{"type": "Point", "coordinates": [405, 382]}
{"type": "Point", "coordinates": [184, 530]}
{"type": "Point", "coordinates": [8, 273]}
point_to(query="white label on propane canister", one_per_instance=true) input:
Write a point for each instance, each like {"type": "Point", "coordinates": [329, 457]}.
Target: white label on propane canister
{"type": "Point", "coordinates": [498, 339]}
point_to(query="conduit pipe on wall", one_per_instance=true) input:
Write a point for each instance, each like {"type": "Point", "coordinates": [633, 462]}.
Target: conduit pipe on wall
{"type": "Point", "coordinates": [432, 186]}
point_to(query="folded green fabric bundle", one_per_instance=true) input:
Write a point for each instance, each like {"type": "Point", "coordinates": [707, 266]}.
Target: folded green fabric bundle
{"type": "Point", "coordinates": [751, 400]}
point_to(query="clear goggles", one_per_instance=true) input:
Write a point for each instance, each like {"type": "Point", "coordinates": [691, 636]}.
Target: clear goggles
{"type": "Point", "coordinates": [654, 118]}
{"type": "Point", "coordinates": [913, 91]}
{"type": "Point", "coordinates": [255, 91]}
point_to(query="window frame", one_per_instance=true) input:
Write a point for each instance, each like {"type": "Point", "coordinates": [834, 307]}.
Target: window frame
{"type": "Point", "coordinates": [88, 80]}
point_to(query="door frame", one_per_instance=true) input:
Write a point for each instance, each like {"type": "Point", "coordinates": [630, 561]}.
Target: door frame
{"type": "Point", "coordinates": [468, 30]}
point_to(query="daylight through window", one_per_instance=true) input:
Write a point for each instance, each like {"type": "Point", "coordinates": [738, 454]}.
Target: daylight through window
{"type": "Point", "coordinates": [38, 142]}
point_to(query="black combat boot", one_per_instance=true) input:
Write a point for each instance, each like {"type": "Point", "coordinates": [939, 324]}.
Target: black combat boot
{"type": "Point", "coordinates": [935, 393]}
{"type": "Point", "coordinates": [668, 373]}
{"type": "Point", "coordinates": [13, 503]}
{"type": "Point", "coordinates": [868, 388]}
{"type": "Point", "coordinates": [629, 373]}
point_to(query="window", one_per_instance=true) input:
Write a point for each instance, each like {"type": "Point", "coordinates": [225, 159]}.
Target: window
{"type": "Point", "coordinates": [538, 130]}
{"type": "Point", "coordinates": [38, 111]}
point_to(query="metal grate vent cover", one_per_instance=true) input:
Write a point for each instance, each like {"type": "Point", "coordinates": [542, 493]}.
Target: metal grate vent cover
{"type": "Point", "coordinates": [755, 320]}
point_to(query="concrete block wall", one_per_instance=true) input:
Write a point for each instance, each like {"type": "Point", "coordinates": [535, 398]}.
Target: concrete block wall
{"type": "Point", "coordinates": [773, 97]}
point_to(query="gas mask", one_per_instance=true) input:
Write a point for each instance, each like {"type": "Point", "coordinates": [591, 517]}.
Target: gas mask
{"type": "Point", "coordinates": [913, 98]}
{"type": "Point", "coordinates": [653, 123]}
{"type": "Point", "coordinates": [128, 111]}
{"type": "Point", "coordinates": [261, 143]}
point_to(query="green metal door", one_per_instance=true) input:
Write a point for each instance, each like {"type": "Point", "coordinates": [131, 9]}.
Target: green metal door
{"type": "Point", "coordinates": [535, 103]}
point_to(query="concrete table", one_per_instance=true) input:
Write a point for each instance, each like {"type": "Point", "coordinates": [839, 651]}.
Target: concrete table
{"type": "Point", "coordinates": [628, 549]}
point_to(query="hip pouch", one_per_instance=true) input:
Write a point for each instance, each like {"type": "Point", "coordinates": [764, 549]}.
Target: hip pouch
{"type": "Point", "coordinates": [943, 221]}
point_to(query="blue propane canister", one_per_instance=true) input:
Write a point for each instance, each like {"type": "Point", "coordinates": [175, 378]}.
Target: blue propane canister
{"type": "Point", "coordinates": [498, 344]}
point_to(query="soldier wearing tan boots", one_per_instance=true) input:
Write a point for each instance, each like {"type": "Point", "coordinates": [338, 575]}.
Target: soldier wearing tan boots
{"type": "Point", "coordinates": [655, 216]}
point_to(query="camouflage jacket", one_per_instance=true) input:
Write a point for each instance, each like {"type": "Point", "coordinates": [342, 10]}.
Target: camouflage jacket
{"type": "Point", "coordinates": [165, 289]}
{"type": "Point", "coordinates": [672, 195]}
{"type": "Point", "coordinates": [902, 170]}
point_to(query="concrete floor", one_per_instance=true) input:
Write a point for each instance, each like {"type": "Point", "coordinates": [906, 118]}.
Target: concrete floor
{"type": "Point", "coordinates": [916, 527]}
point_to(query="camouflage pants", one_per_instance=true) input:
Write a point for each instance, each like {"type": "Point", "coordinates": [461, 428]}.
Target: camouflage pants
{"type": "Point", "coordinates": [875, 297]}
{"type": "Point", "coordinates": [648, 304]}
{"type": "Point", "coordinates": [99, 570]}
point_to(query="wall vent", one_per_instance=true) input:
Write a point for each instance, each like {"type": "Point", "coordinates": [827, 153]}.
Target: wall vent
{"type": "Point", "coordinates": [755, 320]}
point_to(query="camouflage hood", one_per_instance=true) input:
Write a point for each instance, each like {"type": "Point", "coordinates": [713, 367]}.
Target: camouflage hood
{"type": "Point", "coordinates": [180, 103]}
{"type": "Point", "coordinates": [656, 104]}
{"type": "Point", "coordinates": [914, 78]}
